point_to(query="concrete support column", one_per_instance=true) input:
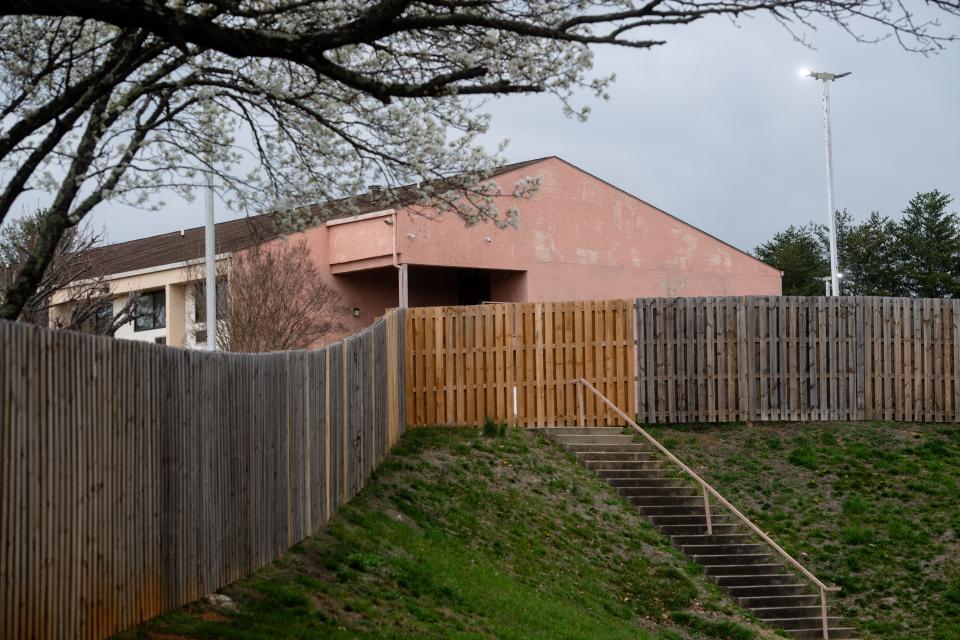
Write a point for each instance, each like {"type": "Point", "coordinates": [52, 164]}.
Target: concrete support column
{"type": "Point", "coordinates": [176, 295]}
{"type": "Point", "coordinates": [404, 283]}
{"type": "Point", "coordinates": [59, 314]}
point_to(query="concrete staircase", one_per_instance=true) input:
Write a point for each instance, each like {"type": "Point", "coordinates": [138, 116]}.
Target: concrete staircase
{"type": "Point", "coordinates": [733, 558]}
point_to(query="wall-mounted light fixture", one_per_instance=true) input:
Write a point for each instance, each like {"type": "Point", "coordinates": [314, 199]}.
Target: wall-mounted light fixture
{"type": "Point", "coordinates": [487, 238]}
{"type": "Point", "coordinates": [356, 312]}
{"type": "Point", "coordinates": [412, 236]}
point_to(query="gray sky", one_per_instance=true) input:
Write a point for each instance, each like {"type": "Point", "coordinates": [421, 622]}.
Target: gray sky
{"type": "Point", "coordinates": [717, 128]}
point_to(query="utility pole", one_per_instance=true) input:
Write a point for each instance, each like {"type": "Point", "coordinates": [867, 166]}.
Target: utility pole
{"type": "Point", "coordinates": [209, 237]}
{"type": "Point", "coordinates": [209, 231]}
{"type": "Point", "coordinates": [826, 78]}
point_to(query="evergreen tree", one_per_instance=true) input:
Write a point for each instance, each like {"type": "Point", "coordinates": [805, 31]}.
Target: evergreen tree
{"type": "Point", "coordinates": [869, 258]}
{"type": "Point", "coordinates": [798, 253]}
{"type": "Point", "coordinates": [928, 243]}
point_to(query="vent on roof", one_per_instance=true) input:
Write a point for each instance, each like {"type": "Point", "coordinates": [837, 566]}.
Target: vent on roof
{"type": "Point", "coordinates": [181, 233]}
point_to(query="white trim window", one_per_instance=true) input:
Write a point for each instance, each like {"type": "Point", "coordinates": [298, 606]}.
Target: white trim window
{"type": "Point", "coordinates": [151, 311]}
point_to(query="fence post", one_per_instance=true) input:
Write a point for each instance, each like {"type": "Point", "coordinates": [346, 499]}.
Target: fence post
{"type": "Point", "coordinates": [823, 614]}
{"type": "Point", "coordinates": [581, 422]}
{"type": "Point", "coordinates": [706, 508]}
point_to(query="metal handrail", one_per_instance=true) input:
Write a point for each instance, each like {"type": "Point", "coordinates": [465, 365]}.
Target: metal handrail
{"type": "Point", "coordinates": [707, 490]}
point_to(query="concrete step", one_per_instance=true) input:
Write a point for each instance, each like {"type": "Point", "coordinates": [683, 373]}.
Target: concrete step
{"type": "Point", "coordinates": [621, 465]}
{"type": "Point", "coordinates": [662, 521]}
{"type": "Point", "coordinates": [717, 537]}
{"type": "Point", "coordinates": [769, 590]}
{"type": "Point", "coordinates": [666, 500]}
{"type": "Point", "coordinates": [754, 580]}
{"type": "Point", "coordinates": [555, 431]}
{"type": "Point", "coordinates": [802, 623]}
{"type": "Point", "coordinates": [696, 528]}
{"type": "Point", "coordinates": [816, 633]}
{"type": "Point", "coordinates": [723, 548]}
{"type": "Point", "coordinates": [651, 481]}
{"type": "Point", "coordinates": [646, 474]}
{"type": "Point", "coordinates": [663, 491]}
{"type": "Point", "coordinates": [601, 439]}
{"type": "Point", "coordinates": [607, 448]}
{"type": "Point", "coordinates": [692, 509]}
{"type": "Point", "coordinates": [615, 456]}
{"type": "Point", "coordinates": [789, 600]}
{"type": "Point", "coordinates": [741, 564]}
{"type": "Point", "coordinates": [787, 611]}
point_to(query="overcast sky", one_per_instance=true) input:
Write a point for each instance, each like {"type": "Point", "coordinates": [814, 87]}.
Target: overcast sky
{"type": "Point", "coordinates": [717, 128]}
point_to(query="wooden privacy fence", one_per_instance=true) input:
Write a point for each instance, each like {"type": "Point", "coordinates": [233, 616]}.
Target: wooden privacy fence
{"type": "Point", "coordinates": [465, 364]}
{"type": "Point", "coordinates": [798, 359]}
{"type": "Point", "coordinates": [687, 360]}
{"type": "Point", "coordinates": [136, 478]}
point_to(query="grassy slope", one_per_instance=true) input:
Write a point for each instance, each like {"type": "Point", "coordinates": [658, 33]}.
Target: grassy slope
{"type": "Point", "coordinates": [465, 536]}
{"type": "Point", "coordinates": [874, 508]}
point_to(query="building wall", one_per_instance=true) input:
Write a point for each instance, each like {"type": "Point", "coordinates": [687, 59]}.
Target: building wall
{"type": "Point", "coordinates": [193, 327]}
{"type": "Point", "coordinates": [174, 280]}
{"type": "Point", "coordinates": [371, 291]}
{"type": "Point", "coordinates": [579, 238]}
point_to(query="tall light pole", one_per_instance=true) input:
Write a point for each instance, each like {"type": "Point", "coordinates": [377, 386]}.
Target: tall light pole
{"type": "Point", "coordinates": [209, 233]}
{"type": "Point", "coordinates": [209, 236]}
{"type": "Point", "coordinates": [826, 78]}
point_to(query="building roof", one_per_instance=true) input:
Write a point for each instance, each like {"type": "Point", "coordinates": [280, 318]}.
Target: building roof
{"type": "Point", "coordinates": [188, 244]}
{"type": "Point", "coordinates": [180, 246]}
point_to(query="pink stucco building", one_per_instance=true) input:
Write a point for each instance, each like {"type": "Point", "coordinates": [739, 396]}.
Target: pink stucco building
{"type": "Point", "coordinates": [578, 238]}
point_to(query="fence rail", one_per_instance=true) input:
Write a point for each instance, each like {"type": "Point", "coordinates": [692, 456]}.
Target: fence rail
{"type": "Point", "coordinates": [465, 364]}
{"type": "Point", "coordinates": [798, 359]}
{"type": "Point", "coordinates": [136, 478]}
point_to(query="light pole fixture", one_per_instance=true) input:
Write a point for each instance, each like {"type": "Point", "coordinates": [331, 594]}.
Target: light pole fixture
{"type": "Point", "coordinates": [826, 283]}
{"type": "Point", "coordinates": [826, 78]}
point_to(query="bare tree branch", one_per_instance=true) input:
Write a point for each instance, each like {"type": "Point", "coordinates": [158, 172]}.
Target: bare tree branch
{"type": "Point", "coordinates": [324, 96]}
{"type": "Point", "coordinates": [84, 293]}
{"type": "Point", "coordinates": [270, 298]}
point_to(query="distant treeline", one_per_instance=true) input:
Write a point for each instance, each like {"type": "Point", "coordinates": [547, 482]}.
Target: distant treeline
{"type": "Point", "coordinates": [919, 256]}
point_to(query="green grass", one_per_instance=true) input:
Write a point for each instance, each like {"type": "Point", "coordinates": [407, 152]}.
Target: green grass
{"type": "Point", "coordinates": [461, 535]}
{"type": "Point", "coordinates": [873, 508]}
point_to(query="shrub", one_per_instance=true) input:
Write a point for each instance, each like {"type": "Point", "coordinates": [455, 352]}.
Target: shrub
{"type": "Point", "coordinates": [804, 456]}
{"type": "Point", "coordinates": [494, 429]}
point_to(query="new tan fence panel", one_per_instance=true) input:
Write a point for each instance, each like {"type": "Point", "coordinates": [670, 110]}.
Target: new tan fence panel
{"type": "Point", "coordinates": [464, 363]}
{"type": "Point", "coordinates": [797, 359]}
{"type": "Point", "coordinates": [136, 478]}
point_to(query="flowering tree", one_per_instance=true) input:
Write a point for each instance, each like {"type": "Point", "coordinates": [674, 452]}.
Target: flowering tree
{"type": "Point", "coordinates": [88, 305]}
{"type": "Point", "coordinates": [290, 101]}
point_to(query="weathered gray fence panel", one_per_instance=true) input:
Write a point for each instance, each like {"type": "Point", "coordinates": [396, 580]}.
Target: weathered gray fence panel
{"type": "Point", "coordinates": [798, 359]}
{"type": "Point", "coordinates": [136, 478]}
